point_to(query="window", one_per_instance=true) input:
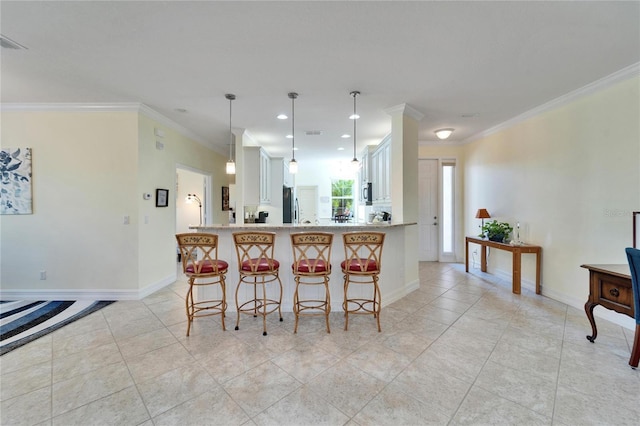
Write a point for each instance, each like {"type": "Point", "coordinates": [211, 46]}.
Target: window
{"type": "Point", "coordinates": [342, 197]}
{"type": "Point", "coordinates": [448, 181]}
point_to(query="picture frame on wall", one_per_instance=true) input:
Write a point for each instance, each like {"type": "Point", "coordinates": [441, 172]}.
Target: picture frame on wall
{"type": "Point", "coordinates": [225, 198]}
{"type": "Point", "coordinates": [162, 197]}
{"type": "Point", "coordinates": [635, 228]}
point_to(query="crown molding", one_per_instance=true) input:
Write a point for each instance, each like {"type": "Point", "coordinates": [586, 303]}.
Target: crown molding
{"type": "Point", "coordinates": [591, 88]}
{"type": "Point", "coordinates": [136, 107]}
{"type": "Point", "coordinates": [405, 109]}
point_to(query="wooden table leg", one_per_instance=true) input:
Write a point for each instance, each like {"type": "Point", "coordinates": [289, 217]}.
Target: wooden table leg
{"type": "Point", "coordinates": [635, 352]}
{"type": "Point", "coordinates": [483, 258]}
{"type": "Point", "coordinates": [517, 260]}
{"type": "Point", "coordinates": [588, 308]}
{"type": "Point", "coordinates": [538, 264]}
{"type": "Point", "coordinates": [466, 255]}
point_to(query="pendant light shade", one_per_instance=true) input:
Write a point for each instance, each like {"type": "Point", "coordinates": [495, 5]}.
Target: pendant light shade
{"type": "Point", "coordinates": [231, 165]}
{"type": "Point", "coordinates": [355, 164]}
{"type": "Point", "coordinates": [293, 164]}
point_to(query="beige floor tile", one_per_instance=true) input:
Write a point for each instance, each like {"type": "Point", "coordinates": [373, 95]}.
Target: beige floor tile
{"type": "Point", "coordinates": [120, 408]}
{"type": "Point", "coordinates": [513, 356]}
{"type": "Point", "coordinates": [70, 394]}
{"type": "Point", "coordinates": [27, 409]}
{"type": "Point", "coordinates": [395, 408]}
{"type": "Point", "coordinates": [260, 387]}
{"type": "Point", "coordinates": [379, 361]}
{"type": "Point", "coordinates": [530, 391]}
{"type": "Point", "coordinates": [66, 346]}
{"type": "Point", "coordinates": [481, 407]}
{"type": "Point", "coordinates": [33, 353]}
{"type": "Point", "coordinates": [25, 381]}
{"type": "Point", "coordinates": [346, 387]}
{"type": "Point", "coordinates": [174, 387]}
{"type": "Point", "coordinates": [66, 367]}
{"type": "Point", "coordinates": [573, 408]}
{"type": "Point", "coordinates": [434, 388]}
{"type": "Point", "coordinates": [305, 361]}
{"type": "Point", "coordinates": [213, 407]}
{"type": "Point", "coordinates": [301, 407]}
{"type": "Point", "coordinates": [157, 362]}
{"type": "Point", "coordinates": [146, 342]}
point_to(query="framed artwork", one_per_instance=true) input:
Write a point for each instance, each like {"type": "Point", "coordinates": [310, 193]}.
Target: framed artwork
{"type": "Point", "coordinates": [635, 228]}
{"type": "Point", "coordinates": [15, 185]}
{"type": "Point", "coordinates": [225, 198]}
{"type": "Point", "coordinates": [162, 197]}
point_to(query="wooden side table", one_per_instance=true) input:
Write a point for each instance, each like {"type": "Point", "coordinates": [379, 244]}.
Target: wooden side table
{"type": "Point", "coordinates": [516, 250]}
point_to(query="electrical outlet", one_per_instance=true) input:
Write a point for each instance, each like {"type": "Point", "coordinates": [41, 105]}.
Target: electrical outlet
{"type": "Point", "coordinates": [43, 275]}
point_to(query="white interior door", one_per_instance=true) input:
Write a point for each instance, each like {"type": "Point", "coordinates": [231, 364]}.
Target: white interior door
{"type": "Point", "coordinates": [428, 219]}
{"type": "Point", "coordinates": [308, 202]}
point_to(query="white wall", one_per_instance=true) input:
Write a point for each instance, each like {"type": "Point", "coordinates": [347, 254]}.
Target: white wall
{"type": "Point", "coordinates": [90, 170]}
{"type": "Point", "coordinates": [571, 176]}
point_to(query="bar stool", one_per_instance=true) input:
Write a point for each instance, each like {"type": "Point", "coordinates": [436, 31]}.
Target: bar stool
{"type": "Point", "coordinates": [311, 267]}
{"type": "Point", "coordinates": [208, 270]}
{"type": "Point", "coordinates": [257, 268]}
{"type": "Point", "coordinates": [362, 264]}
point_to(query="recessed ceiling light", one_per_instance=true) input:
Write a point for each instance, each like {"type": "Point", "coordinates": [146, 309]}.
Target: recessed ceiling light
{"type": "Point", "coordinates": [282, 117]}
{"type": "Point", "coordinates": [182, 110]}
{"type": "Point", "coordinates": [470, 115]}
{"type": "Point", "coordinates": [341, 149]}
{"type": "Point", "coordinates": [289, 136]}
{"type": "Point", "coordinates": [354, 117]}
{"type": "Point", "coordinates": [345, 136]}
{"type": "Point", "coordinates": [295, 149]}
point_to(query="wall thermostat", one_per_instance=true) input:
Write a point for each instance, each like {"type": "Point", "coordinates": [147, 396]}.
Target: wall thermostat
{"type": "Point", "coordinates": [146, 196]}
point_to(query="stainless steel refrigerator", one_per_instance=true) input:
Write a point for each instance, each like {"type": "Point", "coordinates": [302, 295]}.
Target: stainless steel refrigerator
{"type": "Point", "coordinates": [289, 206]}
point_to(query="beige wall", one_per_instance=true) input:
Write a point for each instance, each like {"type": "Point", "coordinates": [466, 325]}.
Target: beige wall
{"type": "Point", "coordinates": [90, 170]}
{"type": "Point", "coordinates": [571, 176]}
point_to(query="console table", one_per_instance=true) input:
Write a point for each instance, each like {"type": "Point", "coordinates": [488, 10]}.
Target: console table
{"type": "Point", "coordinates": [610, 286]}
{"type": "Point", "coordinates": [516, 251]}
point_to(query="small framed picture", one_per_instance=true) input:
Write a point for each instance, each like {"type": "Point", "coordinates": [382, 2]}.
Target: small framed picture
{"type": "Point", "coordinates": [225, 198]}
{"type": "Point", "coordinates": [635, 229]}
{"type": "Point", "coordinates": [162, 197]}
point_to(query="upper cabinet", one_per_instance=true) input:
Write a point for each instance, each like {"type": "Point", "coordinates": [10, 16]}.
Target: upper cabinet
{"type": "Point", "coordinates": [257, 176]}
{"type": "Point", "coordinates": [380, 171]}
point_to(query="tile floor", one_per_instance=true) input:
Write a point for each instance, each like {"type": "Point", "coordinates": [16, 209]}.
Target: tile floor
{"type": "Point", "coordinates": [460, 350]}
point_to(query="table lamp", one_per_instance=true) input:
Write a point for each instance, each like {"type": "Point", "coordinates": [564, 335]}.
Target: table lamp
{"type": "Point", "coordinates": [482, 214]}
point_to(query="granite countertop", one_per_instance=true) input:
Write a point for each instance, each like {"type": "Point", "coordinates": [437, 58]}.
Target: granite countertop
{"type": "Point", "coordinates": [301, 226]}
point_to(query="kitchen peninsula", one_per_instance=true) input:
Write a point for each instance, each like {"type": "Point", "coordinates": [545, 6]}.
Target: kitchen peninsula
{"type": "Point", "coordinates": [398, 277]}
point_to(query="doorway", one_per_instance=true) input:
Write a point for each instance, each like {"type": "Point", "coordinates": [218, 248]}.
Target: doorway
{"type": "Point", "coordinates": [192, 181]}
{"type": "Point", "coordinates": [308, 202]}
{"type": "Point", "coordinates": [428, 220]}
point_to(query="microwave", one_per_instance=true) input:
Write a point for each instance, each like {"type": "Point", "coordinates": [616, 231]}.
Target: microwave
{"type": "Point", "coordinates": [367, 194]}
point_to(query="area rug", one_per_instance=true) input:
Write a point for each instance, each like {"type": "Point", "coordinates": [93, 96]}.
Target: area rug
{"type": "Point", "coordinates": [22, 322]}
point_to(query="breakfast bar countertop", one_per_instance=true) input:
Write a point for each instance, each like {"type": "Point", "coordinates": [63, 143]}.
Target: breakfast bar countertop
{"type": "Point", "coordinates": [301, 226]}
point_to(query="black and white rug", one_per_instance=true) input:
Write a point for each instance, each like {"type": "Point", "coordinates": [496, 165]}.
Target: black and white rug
{"type": "Point", "coordinates": [24, 321]}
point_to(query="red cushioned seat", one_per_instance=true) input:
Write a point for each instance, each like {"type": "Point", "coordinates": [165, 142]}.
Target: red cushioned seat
{"type": "Point", "coordinates": [262, 266]}
{"type": "Point", "coordinates": [355, 265]}
{"type": "Point", "coordinates": [208, 267]}
{"type": "Point", "coordinates": [306, 266]}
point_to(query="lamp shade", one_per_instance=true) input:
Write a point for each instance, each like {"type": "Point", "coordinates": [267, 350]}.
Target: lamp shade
{"type": "Point", "coordinates": [482, 214]}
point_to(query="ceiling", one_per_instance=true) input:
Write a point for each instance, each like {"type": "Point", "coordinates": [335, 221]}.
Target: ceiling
{"type": "Point", "coordinates": [465, 65]}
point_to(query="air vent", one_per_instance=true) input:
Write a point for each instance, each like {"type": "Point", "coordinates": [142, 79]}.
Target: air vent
{"type": "Point", "coordinates": [313, 132]}
{"type": "Point", "coordinates": [7, 43]}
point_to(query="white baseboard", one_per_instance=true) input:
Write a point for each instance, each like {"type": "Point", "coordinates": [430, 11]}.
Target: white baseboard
{"type": "Point", "coordinates": [64, 294]}
{"type": "Point", "coordinates": [600, 312]}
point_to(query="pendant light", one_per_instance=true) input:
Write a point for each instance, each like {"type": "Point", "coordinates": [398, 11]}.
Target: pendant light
{"type": "Point", "coordinates": [231, 165]}
{"type": "Point", "coordinates": [293, 164]}
{"type": "Point", "coordinates": [355, 164]}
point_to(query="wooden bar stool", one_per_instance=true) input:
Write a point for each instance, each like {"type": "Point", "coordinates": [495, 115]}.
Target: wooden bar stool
{"type": "Point", "coordinates": [311, 267]}
{"type": "Point", "coordinates": [200, 263]}
{"type": "Point", "coordinates": [257, 268]}
{"type": "Point", "coordinates": [362, 265]}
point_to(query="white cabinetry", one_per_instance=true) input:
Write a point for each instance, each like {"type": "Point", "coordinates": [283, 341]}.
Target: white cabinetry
{"type": "Point", "coordinates": [380, 165]}
{"type": "Point", "coordinates": [257, 176]}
